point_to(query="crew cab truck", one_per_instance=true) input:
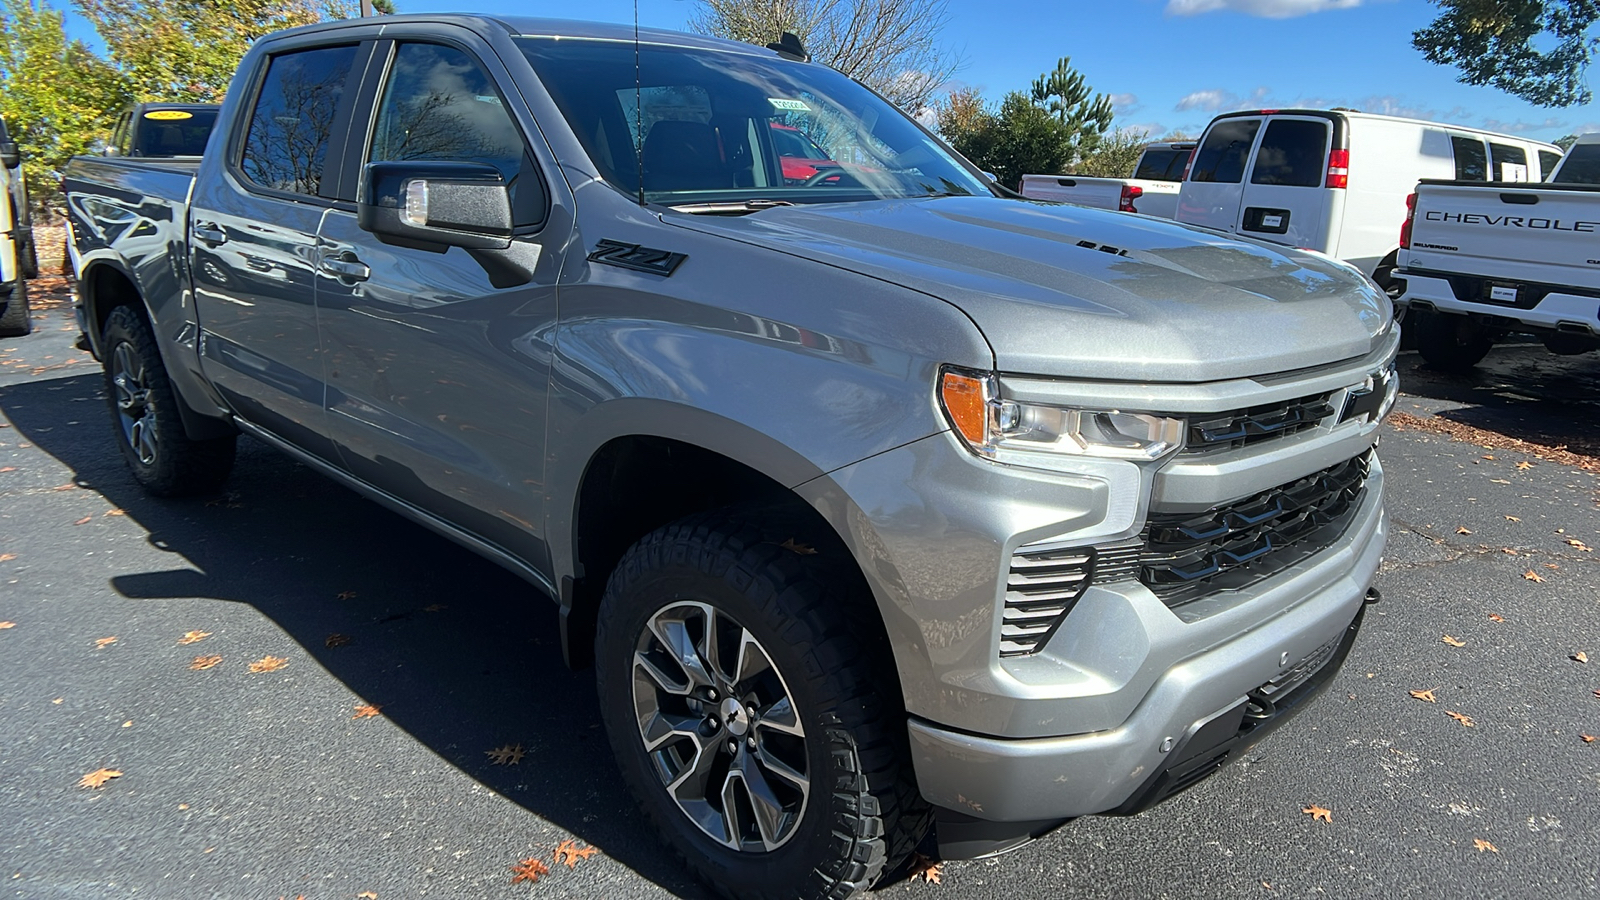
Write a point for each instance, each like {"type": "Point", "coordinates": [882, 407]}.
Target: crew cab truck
{"type": "Point", "coordinates": [19, 261]}
{"type": "Point", "coordinates": [882, 505]}
{"type": "Point", "coordinates": [1153, 189]}
{"type": "Point", "coordinates": [1336, 181]}
{"type": "Point", "coordinates": [1479, 261]}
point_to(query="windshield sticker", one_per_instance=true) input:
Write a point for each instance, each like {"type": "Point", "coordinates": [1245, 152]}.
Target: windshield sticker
{"type": "Point", "coordinates": [796, 105]}
{"type": "Point", "coordinates": [168, 115]}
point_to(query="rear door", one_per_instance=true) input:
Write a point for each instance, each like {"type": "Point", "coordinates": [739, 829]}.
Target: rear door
{"type": "Point", "coordinates": [1510, 162]}
{"type": "Point", "coordinates": [1212, 193]}
{"type": "Point", "coordinates": [1285, 197]}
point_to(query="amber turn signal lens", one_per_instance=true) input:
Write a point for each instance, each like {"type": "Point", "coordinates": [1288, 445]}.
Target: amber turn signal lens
{"type": "Point", "coordinates": [964, 399]}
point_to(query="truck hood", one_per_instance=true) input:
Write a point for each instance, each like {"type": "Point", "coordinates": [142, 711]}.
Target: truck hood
{"type": "Point", "coordinates": [1073, 292]}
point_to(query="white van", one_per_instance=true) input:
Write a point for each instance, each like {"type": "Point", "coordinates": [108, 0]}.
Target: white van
{"type": "Point", "coordinates": [1337, 181]}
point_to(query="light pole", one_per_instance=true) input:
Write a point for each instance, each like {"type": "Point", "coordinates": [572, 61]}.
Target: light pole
{"type": "Point", "coordinates": [366, 8]}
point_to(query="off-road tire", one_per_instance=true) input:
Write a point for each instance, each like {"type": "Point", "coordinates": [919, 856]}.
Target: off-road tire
{"type": "Point", "coordinates": [28, 255]}
{"type": "Point", "coordinates": [180, 466]}
{"type": "Point", "coordinates": [16, 321]}
{"type": "Point", "coordinates": [864, 815]}
{"type": "Point", "coordinates": [1448, 342]}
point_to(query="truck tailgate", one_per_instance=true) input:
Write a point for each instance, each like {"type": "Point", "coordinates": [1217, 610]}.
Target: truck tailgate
{"type": "Point", "coordinates": [1099, 193]}
{"type": "Point", "coordinates": [1512, 233]}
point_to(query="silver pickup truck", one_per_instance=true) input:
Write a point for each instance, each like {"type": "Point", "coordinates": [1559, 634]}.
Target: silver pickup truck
{"type": "Point", "coordinates": [887, 509]}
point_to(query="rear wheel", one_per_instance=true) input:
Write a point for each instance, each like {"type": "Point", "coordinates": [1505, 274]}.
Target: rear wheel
{"type": "Point", "coordinates": [756, 723]}
{"type": "Point", "coordinates": [28, 256]}
{"type": "Point", "coordinates": [149, 431]}
{"type": "Point", "coordinates": [1449, 342]}
{"type": "Point", "coordinates": [15, 321]}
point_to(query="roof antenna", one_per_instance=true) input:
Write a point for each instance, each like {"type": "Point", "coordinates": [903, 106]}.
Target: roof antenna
{"type": "Point", "coordinates": [788, 46]}
{"type": "Point", "coordinates": [638, 104]}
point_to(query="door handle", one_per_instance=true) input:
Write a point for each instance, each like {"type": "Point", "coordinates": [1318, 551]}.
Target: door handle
{"type": "Point", "coordinates": [210, 232]}
{"type": "Point", "coordinates": [346, 266]}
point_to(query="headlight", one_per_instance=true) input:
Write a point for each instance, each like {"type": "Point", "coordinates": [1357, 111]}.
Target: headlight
{"type": "Point", "coordinates": [990, 425]}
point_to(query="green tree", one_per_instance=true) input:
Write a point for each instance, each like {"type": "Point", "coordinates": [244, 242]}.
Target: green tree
{"type": "Point", "coordinates": [1115, 155]}
{"type": "Point", "coordinates": [1063, 93]}
{"type": "Point", "coordinates": [1538, 50]}
{"type": "Point", "coordinates": [56, 95]}
{"type": "Point", "coordinates": [1565, 142]}
{"type": "Point", "coordinates": [187, 50]}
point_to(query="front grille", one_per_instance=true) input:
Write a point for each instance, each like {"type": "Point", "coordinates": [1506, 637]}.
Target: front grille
{"type": "Point", "coordinates": [1041, 589]}
{"type": "Point", "coordinates": [1230, 547]}
{"type": "Point", "coordinates": [1246, 427]}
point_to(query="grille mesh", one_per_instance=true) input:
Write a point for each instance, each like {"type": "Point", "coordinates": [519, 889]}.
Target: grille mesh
{"type": "Point", "coordinates": [1245, 427]}
{"type": "Point", "coordinates": [1041, 589]}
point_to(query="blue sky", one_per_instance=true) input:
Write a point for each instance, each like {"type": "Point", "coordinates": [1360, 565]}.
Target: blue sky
{"type": "Point", "coordinates": [1172, 64]}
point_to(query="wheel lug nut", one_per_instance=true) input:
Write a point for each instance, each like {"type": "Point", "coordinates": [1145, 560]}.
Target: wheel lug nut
{"type": "Point", "coordinates": [733, 746]}
{"type": "Point", "coordinates": [711, 693]}
{"type": "Point", "coordinates": [751, 743]}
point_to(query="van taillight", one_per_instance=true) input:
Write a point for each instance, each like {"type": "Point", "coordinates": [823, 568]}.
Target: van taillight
{"type": "Point", "coordinates": [1189, 163]}
{"type": "Point", "coordinates": [1338, 169]}
{"type": "Point", "coordinates": [1130, 193]}
{"type": "Point", "coordinates": [1405, 228]}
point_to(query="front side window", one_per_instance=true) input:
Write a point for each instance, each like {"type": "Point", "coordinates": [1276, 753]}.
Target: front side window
{"type": "Point", "coordinates": [1472, 163]}
{"type": "Point", "coordinates": [1222, 156]}
{"type": "Point", "coordinates": [292, 122]}
{"type": "Point", "coordinates": [1294, 153]}
{"type": "Point", "coordinates": [1510, 163]}
{"type": "Point", "coordinates": [709, 126]}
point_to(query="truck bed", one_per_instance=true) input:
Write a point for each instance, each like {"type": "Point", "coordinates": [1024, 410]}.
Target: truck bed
{"type": "Point", "coordinates": [1156, 198]}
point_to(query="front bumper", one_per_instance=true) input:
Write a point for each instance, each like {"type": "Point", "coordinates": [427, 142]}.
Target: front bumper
{"type": "Point", "coordinates": [1555, 310]}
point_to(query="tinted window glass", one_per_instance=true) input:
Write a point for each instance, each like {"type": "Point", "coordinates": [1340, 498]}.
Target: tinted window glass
{"type": "Point", "coordinates": [1506, 160]}
{"type": "Point", "coordinates": [1293, 153]}
{"type": "Point", "coordinates": [1548, 161]}
{"type": "Point", "coordinates": [697, 124]}
{"type": "Point", "coordinates": [1221, 158]}
{"type": "Point", "coordinates": [1158, 165]}
{"type": "Point", "coordinates": [173, 132]}
{"type": "Point", "coordinates": [293, 118]}
{"type": "Point", "coordinates": [1582, 165]}
{"type": "Point", "coordinates": [1472, 163]}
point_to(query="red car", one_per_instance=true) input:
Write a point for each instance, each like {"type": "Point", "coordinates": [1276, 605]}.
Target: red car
{"type": "Point", "coordinates": [801, 158]}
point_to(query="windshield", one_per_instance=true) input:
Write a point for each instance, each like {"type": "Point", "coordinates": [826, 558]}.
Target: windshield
{"type": "Point", "coordinates": [710, 126]}
{"type": "Point", "coordinates": [1582, 165]}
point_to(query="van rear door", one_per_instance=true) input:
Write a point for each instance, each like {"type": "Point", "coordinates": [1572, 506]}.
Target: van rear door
{"type": "Point", "coordinates": [1286, 196]}
{"type": "Point", "coordinates": [1210, 196]}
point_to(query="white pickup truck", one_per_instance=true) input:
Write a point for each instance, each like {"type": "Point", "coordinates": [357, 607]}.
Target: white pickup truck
{"type": "Point", "coordinates": [1153, 189]}
{"type": "Point", "coordinates": [1481, 260]}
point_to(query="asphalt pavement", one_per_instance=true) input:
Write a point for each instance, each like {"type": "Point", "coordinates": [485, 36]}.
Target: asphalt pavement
{"type": "Point", "coordinates": [263, 784]}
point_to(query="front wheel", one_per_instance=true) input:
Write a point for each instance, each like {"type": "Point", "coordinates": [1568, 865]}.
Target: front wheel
{"type": "Point", "coordinates": [15, 321]}
{"type": "Point", "coordinates": [149, 430]}
{"type": "Point", "coordinates": [757, 725]}
{"type": "Point", "coordinates": [1451, 343]}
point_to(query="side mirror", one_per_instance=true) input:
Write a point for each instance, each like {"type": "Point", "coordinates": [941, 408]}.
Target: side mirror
{"type": "Point", "coordinates": [454, 204]}
{"type": "Point", "coordinates": [10, 156]}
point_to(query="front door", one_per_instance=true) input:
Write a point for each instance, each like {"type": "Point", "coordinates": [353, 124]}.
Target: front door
{"type": "Point", "coordinates": [253, 247]}
{"type": "Point", "coordinates": [439, 358]}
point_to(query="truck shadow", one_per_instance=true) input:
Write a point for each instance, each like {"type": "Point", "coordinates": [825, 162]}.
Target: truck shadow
{"type": "Point", "coordinates": [459, 653]}
{"type": "Point", "coordinates": [1521, 391]}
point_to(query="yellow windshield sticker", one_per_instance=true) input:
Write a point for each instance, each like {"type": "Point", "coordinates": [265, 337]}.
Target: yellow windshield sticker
{"type": "Point", "coordinates": [168, 115]}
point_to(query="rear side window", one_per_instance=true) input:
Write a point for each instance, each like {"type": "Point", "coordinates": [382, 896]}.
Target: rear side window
{"type": "Point", "coordinates": [1161, 165]}
{"type": "Point", "coordinates": [1548, 161]}
{"type": "Point", "coordinates": [1510, 163]}
{"type": "Point", "coordinates": [1472, 163]}
{"type": "Point", "coordinates": [1582, 165]}
{"type": "Point", "coordinates": [1222, 157]}
{"type": "Point", "coordinates": [292, 122]}
{"type": "Point", "coordinates": [1293, 154]}
{"type": "Point", "coordinates": [174, 132]}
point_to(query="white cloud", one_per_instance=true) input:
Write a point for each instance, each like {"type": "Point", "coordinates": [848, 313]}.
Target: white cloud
{"type": "Point", "coordinates": [1519, 127]}
{"type": "Point", "coordinates": [1270, 9]}
{"type": "Point", "coordinates": [1123, 104]}
{"type": "Point", "coordinates": [1152, 130]}
{"type": "Point", "coordinates": [1221, 101]}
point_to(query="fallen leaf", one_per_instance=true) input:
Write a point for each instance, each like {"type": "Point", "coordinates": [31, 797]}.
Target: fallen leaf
{"type": "Point", "coordinates": [1318, 813]}
{"type": "Point", "coordinates": [85, 520]}
{"type": "Point", "coordinates": [1512, 519]}
{"type": "Point", "coordinates": [1508, 551]}
{"type": "Point", "coordinates": [7, 557]}
{"type": "Point", "coordinates": [113, 512]}
{"type": "Point", "coordinates": [98, 778]}
{"type": "Point", "coordinates": [105, 642]}
{"type": "Point", "coordinates": [1587, 738]}
{"type": "Point", "coordinates": [1574, 542]}
{"type": "Point", "coordinates": [1499, 481]}
{"type": "Point", "coordinates": [1483, 845]}
{"type": "Point", "coordinates": [926, 869]}
{"type": "Point", "coordinates": [128, 724]}
{"type": "Point", "coordinates": [1580, 656]}
{"type": "Point", "coordinates": [1425, 696]}
{"type": "Point", "coordinates": [1487, 457]}
{"type": "Point", "coordinates": [434, 607]}
{"type": "Point", "coordinates": [204, 662]}
{"type": "Point", "coordinates": [57, 701]}
{"type": "Point", "coordinates": [1496, 617]}
{"type": "Point", "coordinates": [1524, 465]}
{"type": "Point", "coordinates": [1531, 575]}
{"type": "Point", "coordinates": [5, 625]}
{"type": "Point", "coordinates": [569, 852]}
{"type": "Point", "coordinates": [193, 637]}
{"type": "Point", "coordinates": [9, 469]}
{"type": "Point", "coordinates": [368, 895]}
{"type": "Point", "coordinates": [347, 595]}
{"type": "Point", "coordinates": [508, 755]}
{"type": "Point", "coordinates": [366, 711]}
{"type": "Point", "coordinates": [1462, 529]}
{"type": "Point", "coordinates": [268, 664]}
{"type": "Point", "coordinates": [1466, 721]}
{"type": "Point", "coordinates": [1453, 642]}
{"type": "Point", "coordinates": [529, 870]}
{"type": "Point", "coordinates": [1597, 693]}
{"type": "Point", "coordinates": [336, 640]}
{"type": "Point", "coordinates": [795, 546]}
{"type": "Point", "coordinates": [1551, 566]}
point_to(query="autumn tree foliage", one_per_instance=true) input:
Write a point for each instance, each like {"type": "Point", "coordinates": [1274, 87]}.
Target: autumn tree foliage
{"type": "Point", "coordinates": [1538, 50]}
{"type": "Point", "coordinates": [891, 46]}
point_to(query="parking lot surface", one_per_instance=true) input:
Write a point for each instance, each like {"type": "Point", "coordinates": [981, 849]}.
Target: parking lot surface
{"type": "Point", "coordinates": [276, 783]}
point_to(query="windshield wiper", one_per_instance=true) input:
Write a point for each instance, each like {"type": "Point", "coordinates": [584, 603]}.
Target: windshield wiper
{"type": "Point", "coordinates": [727, 207]}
